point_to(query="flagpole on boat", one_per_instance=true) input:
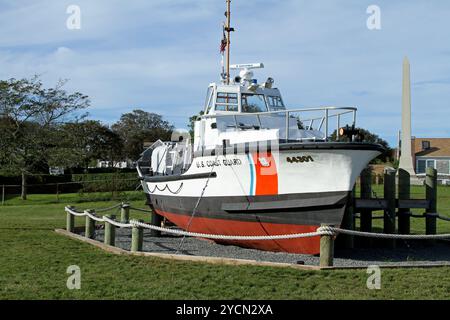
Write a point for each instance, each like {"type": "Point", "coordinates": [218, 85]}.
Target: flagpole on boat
{"type": "Point", "coordinates": [228, 30]}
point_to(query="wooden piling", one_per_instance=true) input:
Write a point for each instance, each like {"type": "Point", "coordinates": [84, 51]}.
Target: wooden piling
{"type": "Point", "coordinates": [90, 226]}
{"type": "Point", "coordinates": [366, 214]}
{"type": "Point", "coordinates": [155, 221]}
{"type": "Point", "coordinates": [348, 222]}
{"type": "Point", "coordinates": [431, 195]}
{"type": "Point", "coordinates": [70, 222]}
{"type": "Point", "coordinates": [110, 231]}
{"type": "Point", "coordinates": [389, 212]}
{"type": "Point", "coordinates": [125, 213]}
{"type": "Point", "coordinates": [137, 238]}
{"type": "Point", "coordinates": [404, 193]}
{"type": "Point", "coordinates": [326, 250]}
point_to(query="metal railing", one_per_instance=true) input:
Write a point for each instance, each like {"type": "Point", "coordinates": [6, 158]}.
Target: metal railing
{"type": "Point", "coordinates": [322, 121]}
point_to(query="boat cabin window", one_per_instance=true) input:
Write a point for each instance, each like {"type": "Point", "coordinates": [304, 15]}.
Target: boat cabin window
{"type": "Point", "coordinates": [226, 102]}
{"type": "Point", "coordinates": [275, 103]}
{"type": "Point", "coordinates": [252, 103]}
{"type": "Point", "coordinates": [209, 99]}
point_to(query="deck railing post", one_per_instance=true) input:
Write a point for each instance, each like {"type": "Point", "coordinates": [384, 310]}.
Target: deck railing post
{"type": "Point", "coordinates": [389, 212]}
{"type": "Point", "coordinates": [431, 195]}
{"type": "Point", "coordinates": [366, 214]}
{"type": "Point", "coordinates": [404, 193]}
{"type": "Point", "coordinates": [110, 231]}
{"type": "Point", "coordinates": [70, 221]}
{"type": "Point", "coordinates": [125, 213]}
{"type": "Point", "coordinates": [90, 226]}
{"type": "Point", "coordinates": [326, 250]}
{"type": "Point", "coordinates": [137, 238]}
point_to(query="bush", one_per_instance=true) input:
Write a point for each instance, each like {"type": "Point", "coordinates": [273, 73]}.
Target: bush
{"type": "Point", "coordinates": [104, 182]}
{"type": "Point", "coordinates": [71, 183]}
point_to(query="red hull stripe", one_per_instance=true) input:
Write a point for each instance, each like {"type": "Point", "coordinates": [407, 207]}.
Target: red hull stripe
{"type": "Point", "coordinates": [233, 227]}
{"type": "Point", "coordinates": [266, 174]}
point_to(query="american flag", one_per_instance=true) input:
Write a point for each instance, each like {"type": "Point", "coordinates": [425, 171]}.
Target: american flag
{"type": "Point", "coordinates": [223, 43]}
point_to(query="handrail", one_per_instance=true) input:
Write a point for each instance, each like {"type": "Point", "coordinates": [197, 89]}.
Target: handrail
{"type": "Point", "coordinates": [219, 115]}
{"type": "Point", "coordinates": [328, 113]}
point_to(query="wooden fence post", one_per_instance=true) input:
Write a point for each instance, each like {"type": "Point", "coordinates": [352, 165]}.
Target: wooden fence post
{"type": "Point", "coordinates": [404, 193]}
{"type": "Point", "coordinates": [137, 238]}
{"type": "Point", "coordinates": [366, 214]}
{"type": "Point", "coordinates": [90, 226]}
{"type": "Point", "coordinates": [125, 213]}
{"type": "Point", "coordinates": [70, 221]}
{"type": "Point", "coordinates": [389, 212]}
{"type": "Point", "coordinates": [3, 195]}
{"type": "Point", "coordinates": [431, 195]}
{"type": "Point", "coordinates": [110, 231]}
{"type": "Point", "coordinates": [326, 250]}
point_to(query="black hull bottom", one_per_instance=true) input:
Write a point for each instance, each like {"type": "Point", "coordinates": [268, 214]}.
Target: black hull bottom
{"type": "Point", "coordinates": [303, 209]}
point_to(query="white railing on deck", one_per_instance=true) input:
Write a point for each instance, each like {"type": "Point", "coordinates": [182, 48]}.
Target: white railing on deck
{"type": "Point", "coordinates": [323, 120]}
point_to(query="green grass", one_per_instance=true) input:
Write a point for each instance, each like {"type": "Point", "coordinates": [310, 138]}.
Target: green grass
{"type": "Point", "coordinates": [34, 259]}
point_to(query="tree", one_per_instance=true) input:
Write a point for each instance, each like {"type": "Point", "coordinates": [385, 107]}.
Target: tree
{"type": "Point", "coordinates": [367, 136]}
{"type": "Point", "coordinates": [31, 116]}
{"type": "Point", "coordinates": [138, 126]}
{"type": "Point", "coordinates": [192, 121]}
{"type": "Point", "coordinates": [91, 140]}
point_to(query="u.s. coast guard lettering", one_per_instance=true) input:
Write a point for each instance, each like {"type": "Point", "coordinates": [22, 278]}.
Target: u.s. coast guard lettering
{"type": "Point", "coordinates": [218, 163]}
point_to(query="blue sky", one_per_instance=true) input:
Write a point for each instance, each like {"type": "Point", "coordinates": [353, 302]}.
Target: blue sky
{"type": "Point", "coordinates": [160, 55]}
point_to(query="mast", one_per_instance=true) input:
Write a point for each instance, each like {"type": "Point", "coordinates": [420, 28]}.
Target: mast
{"type": "Point", "coordinates": [228, 39]}
{"type": "Point", "coordinates": [228, 29]}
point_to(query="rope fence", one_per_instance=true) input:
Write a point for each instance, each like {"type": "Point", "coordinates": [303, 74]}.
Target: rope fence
{"type": "Point", "coordinates": [326, 233]}
{"type": "Point", "coordinates": [321, 231]}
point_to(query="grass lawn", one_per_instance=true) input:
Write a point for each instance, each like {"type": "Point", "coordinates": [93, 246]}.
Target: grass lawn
{"type": "Point", "coordinates": [34, 260]}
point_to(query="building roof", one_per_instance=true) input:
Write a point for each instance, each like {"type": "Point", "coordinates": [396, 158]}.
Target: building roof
{"type": "Point", "coordinates": [439, 147]}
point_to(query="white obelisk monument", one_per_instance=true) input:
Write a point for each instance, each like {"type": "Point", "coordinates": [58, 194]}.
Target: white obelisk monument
{"type": "Point", "coordinates": [406, 159]}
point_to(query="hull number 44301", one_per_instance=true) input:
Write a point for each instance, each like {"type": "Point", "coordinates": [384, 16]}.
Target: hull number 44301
{"type": "Point", "coordinates": [300, 159]}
